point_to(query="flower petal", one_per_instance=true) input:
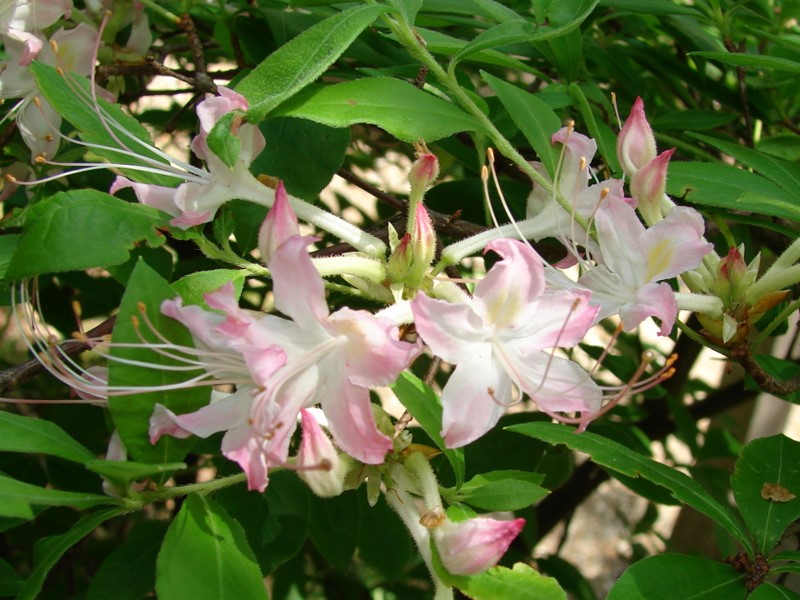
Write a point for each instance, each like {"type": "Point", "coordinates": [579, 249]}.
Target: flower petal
{"type": "Point", "coordinates": [297, 286]}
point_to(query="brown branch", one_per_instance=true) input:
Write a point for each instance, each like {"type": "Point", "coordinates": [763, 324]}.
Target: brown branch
{"type": "Point", "coordinates": [765, 381]}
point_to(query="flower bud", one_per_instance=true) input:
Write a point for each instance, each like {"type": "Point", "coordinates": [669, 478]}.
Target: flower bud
{"type": "Point", "coordinates": [279, 226]}
{"type": "Point", "coordinates": [423, 246]}
{"type": "Point", "coordinates": [400, 261]}
{"type": "Point", "coordinates": [636, 145]}
{"type": "Point", "coordinates": [317, 459]}
{"type": "Point", "coordinates": [474, 545]}
{"type": "Point", "coordinates": [423, 173]}
{"type": "Point", "coordinates": [648, 185]}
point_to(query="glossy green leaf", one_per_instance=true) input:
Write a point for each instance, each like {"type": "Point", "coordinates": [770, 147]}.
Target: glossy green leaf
{"type": "Point", "coordinates": [782, 173]}
{"type": "Point", "coordinates": [289, 138]}
{"type": "Point", "coordinates": [205, 555]}
{"type": "Point", "coordinates": [606, 139]}
{"type": "Point", "coordinates": [679, 577]}
{"type": "Point", "coordinates": [131, 413]}
{"type": "Point", "coordinates": [425, 406]}
{"type": "Point", "coordinates": [535, 119]}
{"type": "Point", "coordinates": [334, 528]}
{"type": "Point", "coordinates": [194, 286]}
{"type": "Point", "coordinates": [26, 434]}
{"type": "Point", "coordinates": [52, 226]}
{"type": "Point", "coordinates": [129, 572]}
{"type": "Point", "coordinates": [223, 142]}
{"type": "Point", "coordinates": [785, 146]}
{"type": "Point", "coordinates": [17, 498]}
{"type": "Point", "coordinates": [48, 551]}
{"type": "Point", "coordinates": [770, 591]}
{"type": "Point", "coordinates": [300, 61]}
{"type": "Point", "coordinates": [753, 61]}
{"type": "Point", "coordinates": [773, 461]}
{"type": "Point", "coordinates": [503, 490]}
{"type": "Point", "coordinates": [724, 186]}
{"type": "Point", "coordinates": [403, 110]}
{"type": "Point", "coordinates": [125, 473]}
{"type": "Point", "coordinates": [71, 99]}
{"type": "Point", "coordinates": [696, 120]}
{"type": "Point", "coordinates": [651, 7]}
{"type": "Point", "coordinates": [522, 30]}
{"type": "Point", "coordinates": [521, 582]}
{"type": "Point", "coordinates": [616, 457]}
{"type": "Point", "coordinates": [446, 45]}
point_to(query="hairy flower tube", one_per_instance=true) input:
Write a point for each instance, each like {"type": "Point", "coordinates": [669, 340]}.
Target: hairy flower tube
{"type": "Point", "coordinates": [498, 339]}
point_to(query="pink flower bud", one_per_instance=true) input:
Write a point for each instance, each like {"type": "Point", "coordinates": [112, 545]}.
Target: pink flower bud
{"type": "Point", "coordinates": [279, 226]}
{"type": "Point", "coordinates": [636, 145]}
{"type": "Point", "coordinates": [423, 173]}
{"type": "Point", "coordinates": [648, 185]}
{"type": "Point", "coordinates": [423, 245]}
{"type": "Point", "coordinates": [732, 267]}
{"type": "Point", "coordinates": [474, 545]}
{"type": "Point", "coordinates": [318, 460]}
{"type": "Point", "coordinates": [400, 261]}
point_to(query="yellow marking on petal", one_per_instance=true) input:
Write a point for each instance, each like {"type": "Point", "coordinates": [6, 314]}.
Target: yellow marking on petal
{"type": "Point", "coordinates": [659, 259]}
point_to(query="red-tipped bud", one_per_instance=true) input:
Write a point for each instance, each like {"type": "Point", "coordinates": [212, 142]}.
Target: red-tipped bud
{"type": "Point", "coordinates": [400, 261]}
{"type": "Point", "coordinates": [423, 245]}
{"type": "Point", "coordinates": [474, 545]}
{"type": "Point", "coordinates": [636, 145]}
{"type": "Point", "coordinates": [279, 226]}
{"type": "Point", "coordinates": [648, 185]}
{"type": "Point", "coordinates": [423, 173]}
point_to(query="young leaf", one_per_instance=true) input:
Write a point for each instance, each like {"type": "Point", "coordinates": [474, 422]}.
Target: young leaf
{"type": "Point", "coordinates": [521, 582]}
{"type": "Point", "coordinates": [753, 61]}
{"type": "Point", "coordinates": [503, 490]}
{"type": "Point", "coordinates": [17, 498]}
{"type": "Point", "coordinates": [679, 577]}
{"type": "Point", "coordinates": [616, 457]}
{"type": "Point", "coordinates": [26, 434]}
{"type": "Point", "coordinates": [194, 286]}
{"type": "Point", "coordinates": [107, 227]}
{"type": "Point", "coordinates": [125, 473]}
{"type": "Point", "coordinates": [301, 60]}
{"type": "Point", "coordinates": [535, 119]}
{"type": "Point", "coordinates": [205, 555]}
{"type": "Point", "coordinates": [132, 413]}
{"type": "Point", "coordinates": [403, 110]}
{"type": "Point", "coordinates": [424, 405]}
{"type": "Point", "coordinates": [766, 485]}
{"type": "Point", "coordinates": [49, 550]}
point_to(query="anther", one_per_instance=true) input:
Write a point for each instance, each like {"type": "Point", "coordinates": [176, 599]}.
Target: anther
{"type": "Point", "coordinates": [54, 46]}
{"type": "Point", "coordinates": [60, 71]}
{"type": "Point", "coordinates": [490, 154]}
{"type": "Point", "coordinates": [135, 321]}
{"type": "Point", "coordinates": [40, 159]}
{"type": "Point", "coordinates": [141, 307]}
{"type": "Point", "coordinates": [10, 178]}
{"type": "Point", "coordinates": [484, 173]}
{"type": "Point", "coordinates": [37, 101]}
{"type": "Point", "coordinates": [583, 163]}
{"type": "Point", "coordinates": [604, 193]}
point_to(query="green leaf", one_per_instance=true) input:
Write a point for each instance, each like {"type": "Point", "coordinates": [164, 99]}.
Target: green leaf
{"type": "Point", "coordinates": [334, 528]}
{"type": "Point", "coordinates": [194, 286]}
{"type": "Point", "coordinates": [724, 186]}
{"type": "Point", "coordinates": [11, 582]}
{"type": "Point", "coordinates": [403, 110]}
{"type": "Point", "coordinates": [679, 577]}
{"type": "Point", "coordinates": [407, 9]}
{"type": "Point", "coordinates": [71, 99]}
{"type": "Point", "coordinates": [131, 413]}
{"type": "Point", "coordinates": [567, 575]}
{"type": "Point", "coordinates": [129, 572]}
{"type": "Point", "coordinates": [521, 30]}
{"type": "Point", "coordinates": [768, 461]}
{"type": "Point", "coordinates": [651, 7]}
{"type": "Point", "coordinates": [205, 555]}
{"type": "Point", "coordinates": [108, 228]}
{"type": "Point", "coordinates": [616, 457]}
{"type": "Point", "coordinates": [695, 120]}
{"type": "Point", "coordinates": [606, 139]}
{"type": "Point", "coordinates": [26, 434]}
{"type": "Point", "coordinates": [782, 173]}
{"type": "Point", "coordinates": [17, 498]}
{"type": "Point", "coordinates": [125, 473]}
{"type": "Point", "coordinates": [49, 550]}
{"type": "Point", "coordinates": [754, 61]}
{"type": "Point", "coordinates": [521, 582]}
{"type": "Point", "coordinates": [770, 591]}
{"type": "Point", "coordinates": [424, 405]}
{"type": "Point", "coordinates": [289, 138]}
{"type": "Point", "coordinates": [503, 490]}
{"type": "Point", "coordinates": [535, 119]}
{"type": "Point", "coordinates": [785, 146]}
{"type": "Point", "coordinates": [300, 61]}
{"type": "Point", "coordinates": [223, 142]}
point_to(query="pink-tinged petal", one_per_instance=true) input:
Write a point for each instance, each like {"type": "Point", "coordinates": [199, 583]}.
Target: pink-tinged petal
{"type": "Point", "coordinates": [474, 398]}
{"type": "Point", "coordinates": [510, 285]}
{"type": "Point", "coordinates": [263, 363]}
{"type": "Point", "coordinates": [350, 418]}
{"type": "Point", "coordinates": [578, 153]}
{"type": "Point", "coordinates": [650, 182]}
{"type": "Point", "coordinates": [297, 286]}
{"type": "Point", "coordinates": [279, 226]}
{"type": "Point", "coordinates": [201, 323]}
{"type": "Point", "coordinates": [32, 44]}
{"type": "Point", "coordinates": [246, 447]}
{"type": "Point", "coordinates": [36, 125]}
{"type": "Point", "coordinates": [474, 545]}
{"type": "Point", "coordinates": [224, 414]}
{"type": "Point", "coordinates": [618, 233]}
{"type": "Point", "coordinates": [636, 145]}
{"type": "Point", "coordinates": [157, 196]}
{"type": "Point", "coordinates": [191, 218]}
{"type": "Point", "coordinates": [210, 110]}
{"type": "Point", "coordinates": [47, 12]}
{"type": "Point", "coordinates": [451, 330]}
{"type": "Point", "coordinates": [140, 38]}
{"type": "Point", "coordinates": [558, 319]}
{"type": "Point", "coordinates": [674, 245]}
{"type": "Point", "coordinates": [76, 48]}
{"type": "Point", "coordinates": [652, 300]}
{"type": "Point", "coordinates": [318, 460]}
{"type": "Point", "coordinates": [374, 355]}
{"type": "Point", "coordinates": [555, 383]}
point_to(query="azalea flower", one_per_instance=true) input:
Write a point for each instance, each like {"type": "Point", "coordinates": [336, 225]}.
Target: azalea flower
{"type": "Point", "coordinates": [475, 545]}
{"type": "Point", "coordinates": [498, 339]}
